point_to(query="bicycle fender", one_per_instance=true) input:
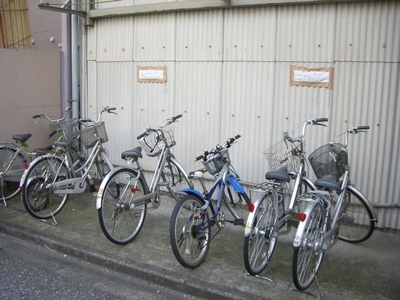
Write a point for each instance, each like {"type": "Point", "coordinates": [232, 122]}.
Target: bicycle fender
{"type": "Point", "coordinates": [298, 238]}
{"type": "Point", "coordinates": [236, 185]}
{"type": "Point", "coordinates": [259, 195]}
{"type": "Point", "coordinates": [101, 187]}
{"type": "Point", "coordinates": [192, 192]}
{"type": "Point", "coordinates": [365, 200]}
{"type": "Point", "coordinates": [23, 177]}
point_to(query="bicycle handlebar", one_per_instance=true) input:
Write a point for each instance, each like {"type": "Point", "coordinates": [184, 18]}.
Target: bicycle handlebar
{"type": "Point", "coordinates": [106, 108]}
{"type": "Point", "coordinates": [352, 130]}
{"type": "Point", "coordinates": [315, 121]}
{"type": "Point", "coordinates": [167, 122]}
{"type": "Point", "coordinates": [218, 147]}
{"type": "Point", "coordinates": [41, 116]}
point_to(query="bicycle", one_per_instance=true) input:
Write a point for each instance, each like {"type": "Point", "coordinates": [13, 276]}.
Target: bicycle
{"type": "Point", "coordinates": [15, 158]}
{"type": "Point", "coordinates": [195, 214]}
{"type": "Point", "coordinates": [337, 210]}
{"type": "Point", "coordinates": [124, 194]}
{"type": "Point", "coordinates": [271, 217]}
{"type": "Point", "coordinates": [50, 179]}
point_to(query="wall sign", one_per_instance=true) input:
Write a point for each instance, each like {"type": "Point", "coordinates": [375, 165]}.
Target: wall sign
{"type": "Point", "coordinates": [148, 74]}
{"type": "Point", "coordinates": [311, 77]}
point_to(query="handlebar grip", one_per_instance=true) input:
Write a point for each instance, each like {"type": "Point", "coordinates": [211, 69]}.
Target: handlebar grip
{"type": "Point", "coordinates": [142, 135]}
{"type": "Point", "coordinates": [111, 108]}
{"type": "Point", "coordinates": [363, 127]}
{"type": "Point", "coordinates": [237, 136]}
{"type": "Point", "coordinates": [177, 117]}
{"type": "Point", "coordinates": [321, 120]}
{"type": "Point", "coordinates": [199, 157]}
{"type": "Point", "coordinates": [53, 133]}
{"type": "Point", "coordinates": [36, 116]}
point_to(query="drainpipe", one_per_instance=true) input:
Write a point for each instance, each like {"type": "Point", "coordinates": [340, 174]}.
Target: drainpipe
{"type": "Point", "coordinates": [74, 62]}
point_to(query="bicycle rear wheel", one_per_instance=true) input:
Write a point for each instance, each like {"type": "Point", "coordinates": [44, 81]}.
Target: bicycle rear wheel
{"type": "Point", "coordinates": [37, 195]}
{"type": "Point", "coordinates": [175, 178]}
{"type": "Point", "coordinates": [190, 232]}
{"type": "Point", "coordinates": [259, 246]}
{"type": "Point", "coordinates": [235, 203]}
{"type": "Point", "coordinates": [11, 170]}
{"type": "Point", "coordinates": [120, 218]}
{"type": "Point", "coordinates": [356, 221]}
{"type": "Point", "coordinates": [307, 258]}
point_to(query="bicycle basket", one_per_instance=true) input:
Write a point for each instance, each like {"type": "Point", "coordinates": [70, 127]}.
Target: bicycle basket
{"type": "Point", "coordinates": [153, 142]}
{"type": "Point", "coordinates": [91, 134]}
{"type": "Point", "coordinates": [279, 156]}
{"type": "Point", "coordinates": [69, 128]}
{"type": "Point", "coordinates": [215, 162]}
{"type": "Point", "coordinates": [329, 160]}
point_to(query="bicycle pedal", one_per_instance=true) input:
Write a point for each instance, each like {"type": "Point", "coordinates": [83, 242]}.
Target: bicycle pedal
{"type": "Point", "coordinates": [239, 221]}
{"type": "Point", "coordinates": [163, 183]}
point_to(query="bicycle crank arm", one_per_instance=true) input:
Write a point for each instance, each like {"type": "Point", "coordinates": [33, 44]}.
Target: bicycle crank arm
{"type": "Point", "coordinates": [68, 186]}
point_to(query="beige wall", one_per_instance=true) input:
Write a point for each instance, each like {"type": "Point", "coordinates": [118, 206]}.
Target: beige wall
{"type": "Point", "coordinates": [29, 85]}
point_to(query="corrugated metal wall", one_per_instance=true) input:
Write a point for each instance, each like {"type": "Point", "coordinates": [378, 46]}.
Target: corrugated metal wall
{"type": "Point", "coordinates": [228, 72]}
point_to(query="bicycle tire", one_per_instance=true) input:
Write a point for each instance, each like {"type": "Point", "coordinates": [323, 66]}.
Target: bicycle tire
{"type": "Point", "coordinates": [259, 246]}
{"type": "Point", "coordinates": [102, 167]}
{"type": "Point", "coordinates": [9, 180]}
{"type": "Point", "coordinates": [120, 220]}
{"type": "Point", "coordinates": [236, 204]}
{"type": "Point", "coordinates": [39, 201]}
{"type": "Point", "coordinates": [176, 180]}
{"type": "Point", "coordinates": [190, 244]}
{"type": "Point", "coordinates": [307, 258]}
{"type": "Point", "coordinates": [356, 220]}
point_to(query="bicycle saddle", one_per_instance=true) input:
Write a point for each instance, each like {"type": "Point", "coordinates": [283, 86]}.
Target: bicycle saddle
{"type": "Point", "coordinates": [329, 182]}
{"type": "Point", "coordinates": [137, 152]}
{"type": "Point", "coordinates": [280, 174]}
{"type": "Point", "coordinates": [22, 137]}
{"type": "Point", "coordinates": [42, 150]}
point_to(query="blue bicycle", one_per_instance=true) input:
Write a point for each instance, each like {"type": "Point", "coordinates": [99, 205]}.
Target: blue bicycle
{"type": "Point", "coordinates": [195, 214]}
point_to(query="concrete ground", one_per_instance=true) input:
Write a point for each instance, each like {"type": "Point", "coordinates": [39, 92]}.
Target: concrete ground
{"type": "Point", "coordinates": [370, 270]}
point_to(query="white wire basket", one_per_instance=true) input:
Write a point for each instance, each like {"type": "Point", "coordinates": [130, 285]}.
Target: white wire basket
{"type": "Point", "coordinates": [280, 155]}
{"type": "Point", "coordinates": [89, 135]}
{"type": "Point", "coordinates": [69, 128]}
{"type": "Point", "coordinates": [153, 142]}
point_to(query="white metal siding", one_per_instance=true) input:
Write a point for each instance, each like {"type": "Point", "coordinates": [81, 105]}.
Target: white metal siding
{"type": "Point", "coordinates": [228, 72]}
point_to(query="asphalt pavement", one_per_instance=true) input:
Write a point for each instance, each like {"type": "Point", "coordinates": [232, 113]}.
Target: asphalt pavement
{"type": "Point", "coordinates": [369, 270]}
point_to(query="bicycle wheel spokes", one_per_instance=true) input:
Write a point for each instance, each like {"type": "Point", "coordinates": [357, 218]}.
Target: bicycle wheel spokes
{"type": "Point", "coordinates": [190, 232]}
{"type": "Point", "coordinates": [356, 220]}
{"type": "Point", "coordinates": [11, 170]}
{"type": "Point", "coordinates": [308, 256]}
{"type": "Point", "coordinates": [120, 219]}
{"type": "Point", "coordinates": [235, 203]}
{"type": "Point", "coordinates": [260, 244]}
{"type": "Point", "coordinates": [37, 195]}
{"type": "Point", "coordinates": [175, 179]}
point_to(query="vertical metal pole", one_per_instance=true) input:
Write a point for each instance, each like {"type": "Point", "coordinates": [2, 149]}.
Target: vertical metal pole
{"type": "Point", "coordinates": [75, 61]}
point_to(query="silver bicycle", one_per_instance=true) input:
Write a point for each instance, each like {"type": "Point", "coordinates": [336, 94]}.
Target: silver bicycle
{"type": "Point", "coordinates": [337, 210]}
{"type": "Point", "coordinates": [124, 194]}
{"type": "Point", "coordinates": [51, 178]}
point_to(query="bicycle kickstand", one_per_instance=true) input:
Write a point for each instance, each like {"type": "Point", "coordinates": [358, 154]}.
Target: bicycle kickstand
{"type": "Point", "coordinates": [270, 279]}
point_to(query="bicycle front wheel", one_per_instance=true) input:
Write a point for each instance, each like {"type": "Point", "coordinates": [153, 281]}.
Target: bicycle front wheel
{"type": "Point", "coordinates": [236, 204]}
{"type": "Point", "coordinates": [12, 166]}
{"type": "Point", "coordinates": [260, 244]}
{"type": "Point", "coordinates": [190, 232]}
{"type": "Point", "coordinates": [175, 179]}
{"type": "Point", "coordinates": [120, 217]}
{"type": "Point", "coordinates": [356, 221]}
{"type": "Point", "coordinates": [307, 258]}
{"type": "Point", "coordinates": [37, 194]}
